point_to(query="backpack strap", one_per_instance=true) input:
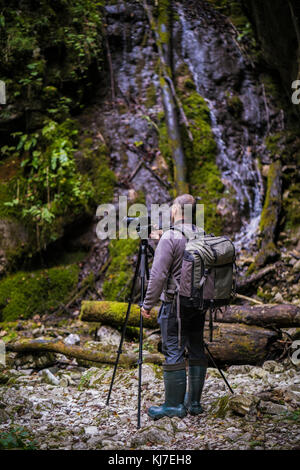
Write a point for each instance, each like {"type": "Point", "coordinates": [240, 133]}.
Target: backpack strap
{"type": "Point", "coordinates": [176, 301]}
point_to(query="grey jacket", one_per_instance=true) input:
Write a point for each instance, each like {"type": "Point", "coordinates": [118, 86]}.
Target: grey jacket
{"type": "Point", "coordinates": [166, 264]}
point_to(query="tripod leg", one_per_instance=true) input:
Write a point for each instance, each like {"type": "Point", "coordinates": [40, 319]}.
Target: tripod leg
{"type": "Point", "coordinates": [143, 273]}
{"type": "Point", "coordinates": [124, 326]}
{"type": "Point", "coordinates": [214, 363]}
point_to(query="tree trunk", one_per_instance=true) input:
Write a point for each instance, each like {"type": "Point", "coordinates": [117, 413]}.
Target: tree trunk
{"type": "Point", "coordinates": [232, 343]}
{"type": "Point", "coordinates": [162, 33]}
{"type": "Point", "coordinates": [280, 316]}
{"type": "Point", "coordinates": [239, 344]}
{"type": "Point", "coordinates": [269, 217]}
{"type": "Point", "coordinates": [77, 352]}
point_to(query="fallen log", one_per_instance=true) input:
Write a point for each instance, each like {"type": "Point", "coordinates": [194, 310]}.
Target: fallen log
{"type": "Point", "coordinates": [245, 282]}
{"type": "Point", "coordinates": [113, 313]}
{"type": "Point", "coordinates": [77, 352]}
{"type": "Point", "coordinates": [233, 343]}
{"type": "Point", "coordinates": [267, 315]}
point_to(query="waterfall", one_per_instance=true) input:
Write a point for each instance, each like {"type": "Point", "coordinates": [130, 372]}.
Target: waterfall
{"type": "Point", "coordinates": [238, 166]}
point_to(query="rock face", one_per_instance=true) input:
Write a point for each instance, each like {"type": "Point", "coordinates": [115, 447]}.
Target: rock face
{"type": "Point", "coordinates": [13, 239]}
{"type": "Point", "coordinates": [277, 33]}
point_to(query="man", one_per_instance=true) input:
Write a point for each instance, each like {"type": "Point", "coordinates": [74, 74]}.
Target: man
{"type": "Point", "coordinates": [167, 266]}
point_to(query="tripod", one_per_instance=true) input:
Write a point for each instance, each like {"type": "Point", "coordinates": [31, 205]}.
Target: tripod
{"type": "Point", "coordinates": [141, 270]}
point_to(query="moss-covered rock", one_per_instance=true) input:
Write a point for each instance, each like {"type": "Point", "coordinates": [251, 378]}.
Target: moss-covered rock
{"type": "Point", "coordinates": [203, 173]}
{"type": "Point", "coordinates": [26, 293]}
{"type": "Point", "coordinates": [118, 277]}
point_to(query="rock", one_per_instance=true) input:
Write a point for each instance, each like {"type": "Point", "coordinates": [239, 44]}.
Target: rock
{"type": "Point", "coordinates": [241, 404]}
{"type": "Point", "coordinates": [49, 378]}
{"type": "Point", "coordinates": [72, 339]}
{"type": "Point", "coordinates": [153, 435]}
{"type": "Point", "coordinates": [258, 373]}
{"type": "Point", "coordinates": [36, 361]}
{"type": "Point", "coordinates": [271, 408]}
{"type": "Point", "coordinates": [92, 378]}
{"type": "Point", "coordinates": [273, 366]}
{"type": "Point", "coordinates": [278, 298]}
{"type": "Point", "coordinates": [4, 417]}
{"type": "Point", "coordinates": [296, 267]}
{"type": "Point", "coordinates": [235, 370]}
{"type": "Point", "coordinates": [91, 430]}
{"type": "Point", "coordinates": [108, 336]}
{"type": "Point", "coordinates": [293, 392]}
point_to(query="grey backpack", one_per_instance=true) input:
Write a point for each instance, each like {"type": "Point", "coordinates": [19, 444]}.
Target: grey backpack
{"type": "Point", "coordinates": [207, 278]}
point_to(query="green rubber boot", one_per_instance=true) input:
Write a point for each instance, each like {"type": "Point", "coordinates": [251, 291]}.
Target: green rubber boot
{"type": "Point", "coordinates": [196, 382]}
{"type": "Point", "coordinates": [175, 386]}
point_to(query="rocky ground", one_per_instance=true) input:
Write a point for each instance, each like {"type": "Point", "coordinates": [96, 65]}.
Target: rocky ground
{"type": "Point", "coordinates": [49, 402]}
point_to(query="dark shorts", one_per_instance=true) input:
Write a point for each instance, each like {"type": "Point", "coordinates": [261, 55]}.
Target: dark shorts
{"type": "Point", "coordinates": [192, 326]}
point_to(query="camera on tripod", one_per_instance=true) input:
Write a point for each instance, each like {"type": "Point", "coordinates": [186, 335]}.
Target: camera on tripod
{"type": "Point", "coordinates": [143, 225]}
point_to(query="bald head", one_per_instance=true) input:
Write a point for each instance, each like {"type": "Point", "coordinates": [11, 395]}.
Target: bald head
{"type": "Point", "coordinates": [183, 208]}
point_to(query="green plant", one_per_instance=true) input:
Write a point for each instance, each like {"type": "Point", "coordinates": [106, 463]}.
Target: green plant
{"type": "Point", "coordinates": [17, 438]}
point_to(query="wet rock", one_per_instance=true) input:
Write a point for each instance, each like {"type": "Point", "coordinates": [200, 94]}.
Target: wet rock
{"type": "Point", "coordinates": [72, 339]}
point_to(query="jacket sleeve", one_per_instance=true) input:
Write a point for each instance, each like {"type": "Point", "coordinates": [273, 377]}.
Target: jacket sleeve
{"type": "Point", "coordinates": [161, 266]}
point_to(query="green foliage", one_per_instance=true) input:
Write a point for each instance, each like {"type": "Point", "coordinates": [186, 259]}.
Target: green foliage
{"type": "Point", "coordinates": [47, 47]}
{"type": "Point", "coordinates": [48, 183]}
{"type": "Point", "coordinates": [234, 11]}
{"type": "Point", "coordinates": [17, 438]}
{"type": "Point", "coordinates": [119, 275]}
{"type": "Point", "coordinates": [291, 206]}
{"type": "Point", "coordinates": [25, 293]}
{"type": "Point", "coordinates": [235, 106]}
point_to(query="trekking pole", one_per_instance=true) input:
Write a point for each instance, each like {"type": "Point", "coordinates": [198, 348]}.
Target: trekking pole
{"type": "Point", "coordinates": [119, 352]}
{"type": "Point", "coordinates": [217, 367]}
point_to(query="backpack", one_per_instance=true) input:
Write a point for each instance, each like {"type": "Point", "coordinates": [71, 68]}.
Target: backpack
{"type": "Point", "coordinates": [207, 278]}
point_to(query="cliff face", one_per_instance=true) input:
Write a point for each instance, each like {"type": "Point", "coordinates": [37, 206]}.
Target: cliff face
{"type": "Point", "coordinates": [277, 27]}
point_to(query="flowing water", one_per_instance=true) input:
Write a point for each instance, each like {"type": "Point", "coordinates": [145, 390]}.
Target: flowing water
{"type": "Point", "coordinates": [202, 50]}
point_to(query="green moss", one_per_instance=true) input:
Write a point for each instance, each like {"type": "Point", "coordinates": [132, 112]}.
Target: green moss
{"type": "Point", "coordinates": [118, 277]}
{"type": "Point", "coordinates": [220, 407]}
{"type": "Point", "coordinates": [150, 95]}
{"type": "Point", "coordinates": [164, 17]}
{"type": "Point", "coordinates": [268, 216]}
{"type": "Point", "coordinates": [203, 174]}
{"type": "Point", "coordinates": [26, 293]}
{"type": "Point", "coordinates": [235, 106]}
{"type": "Point", "coordinates": [291, 206]}
{"type": "Point", "coordinates": [47, 47]}
{"type": "Point", "coordinates": [95, 165]}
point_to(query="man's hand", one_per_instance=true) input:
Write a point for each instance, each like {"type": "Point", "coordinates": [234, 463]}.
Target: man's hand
{"type": "Point", "coordinates": [145, 313]}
